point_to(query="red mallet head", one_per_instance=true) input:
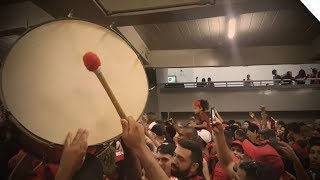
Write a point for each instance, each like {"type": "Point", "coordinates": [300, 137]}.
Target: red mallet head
{"type": "Point", "coordinates": [91, 61]}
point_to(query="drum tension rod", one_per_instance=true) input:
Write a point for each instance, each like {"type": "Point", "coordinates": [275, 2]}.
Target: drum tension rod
{"type": "Point", "coordinates": [70, 14]}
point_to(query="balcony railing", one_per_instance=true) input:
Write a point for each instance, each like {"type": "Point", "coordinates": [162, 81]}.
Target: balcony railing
{"type": "Point", "coordinates": [252, 83]}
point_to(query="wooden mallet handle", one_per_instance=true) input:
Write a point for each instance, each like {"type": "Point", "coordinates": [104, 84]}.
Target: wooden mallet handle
{"type": "Point", "coordinates": [110, 94]}
{"type": "Point", "coordinates": [92, 63]}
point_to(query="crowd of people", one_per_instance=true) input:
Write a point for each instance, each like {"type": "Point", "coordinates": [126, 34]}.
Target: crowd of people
{"type": "Point", "coordinates": [202, 147]}
{"type": "Point", "coordinates": [286, 79]}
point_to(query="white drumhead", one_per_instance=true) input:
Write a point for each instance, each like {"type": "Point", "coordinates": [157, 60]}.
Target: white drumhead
{"type": "Point", "coordinates": [50, 92]}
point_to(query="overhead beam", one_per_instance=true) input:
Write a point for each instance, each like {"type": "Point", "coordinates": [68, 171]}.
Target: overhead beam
{"type": "Point", "coordinates": [242, 56]}
{"type": "Point", "coordinates": [220, 9]}
{"type": "Point", "coordinates": [87, 9]}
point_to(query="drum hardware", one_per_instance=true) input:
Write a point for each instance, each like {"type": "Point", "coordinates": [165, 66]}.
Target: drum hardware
{"type": "Point", "coordinates": [70, 14]}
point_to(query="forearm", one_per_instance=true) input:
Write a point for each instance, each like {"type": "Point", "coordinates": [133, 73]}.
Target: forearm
{"type": "Point", "coordinates": [298, 168]}
{"type": "Point", "coordinates": [131, 165]}
{"type": "Point", "coordinates": [64, 174]}
{"type": "Point", "coordinates": [223, 151]}
{"type": "Point", "coordinates": [150, 165]}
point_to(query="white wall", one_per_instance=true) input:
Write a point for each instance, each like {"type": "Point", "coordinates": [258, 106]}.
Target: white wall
{"type": "Point", "coordinates": [236, 73]}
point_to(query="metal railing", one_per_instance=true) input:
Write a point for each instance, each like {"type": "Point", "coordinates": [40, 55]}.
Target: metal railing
{"type": "Point", "coordinates": [245, 83]}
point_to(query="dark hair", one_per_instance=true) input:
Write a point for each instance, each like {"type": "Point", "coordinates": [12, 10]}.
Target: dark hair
{"type": "Point", "coordinates": [209, 78]}
{"type": "Point", "coordinates": [302, 73]}
{"type": "Point", "coordinates": [314, 70]}
{"type": "Point", "coordinates": [166, 148]}
{"type": "Point", "coordinates": [203, 80]}
{"type": "Point", "coordinates": [268, 134]}
{"type": "Point", "coordinates": [274, 72]}
{"type": "Point", "coordinates": [253, 128]}
{"type": "Point", "coordinates": [196, 152]}
{"type": "Point", "coordinates": [258, 170]}
{"type": "Point", "coordinates": [159, 129]}
{"type": "Point", "coordinates": [232, 128]}
{"type": "Point", "coordinates": [247, 122]}
{"type": "Point", "coordinates": [294, 127]}
{"type": "Point", "coordinates": [228, 137]}
{"type": "Point", "coordinates": [171, 131]}
{"type": "Point", "coordinates": [231, 122]}
{"type": "Point", "coordinates": [204, 104]}
{"type": "Point", "coordinates": [281, 123]}
{"type": "Point", "coordinates": [314, 141]}
{"type": "Point", "coordinates": [241, 133]}
{"type": "Point", "coordinates": [238, 123]}
{"type": "Point", "coordinates": [192, 132]}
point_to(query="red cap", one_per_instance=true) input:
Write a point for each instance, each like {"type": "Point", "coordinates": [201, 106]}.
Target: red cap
{"type": "Point", "coordinates": [91, 61]}
{"type": "Point", "coordinates": [266, 154]}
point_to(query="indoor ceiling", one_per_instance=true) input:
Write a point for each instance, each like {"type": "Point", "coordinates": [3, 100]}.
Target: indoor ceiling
{"type": "Point", "coordinates": [266, 28]}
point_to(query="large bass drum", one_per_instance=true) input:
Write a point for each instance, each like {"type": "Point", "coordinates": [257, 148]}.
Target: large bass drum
{"type": "Point", "coordinates": [48, 91]}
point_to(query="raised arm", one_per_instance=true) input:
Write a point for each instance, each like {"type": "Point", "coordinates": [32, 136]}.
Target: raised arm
{"type": "Point", "coordinates": [224, 156]}
{"type": "Point", "coordinates": [298, 167]}
{"type": "Point", "coordinates": [133, 137]}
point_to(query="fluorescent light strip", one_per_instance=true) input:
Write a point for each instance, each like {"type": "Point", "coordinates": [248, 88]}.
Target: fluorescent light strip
{"type": "Point", "coordinates": [231, 28]}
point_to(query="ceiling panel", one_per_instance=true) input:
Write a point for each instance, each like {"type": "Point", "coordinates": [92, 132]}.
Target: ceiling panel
{"type": "Point", "coordinates": [284, 27]}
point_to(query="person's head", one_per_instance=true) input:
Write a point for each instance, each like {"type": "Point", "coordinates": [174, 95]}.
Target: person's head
{"type": "Point", "coordinates": [302, 73]}
{"type": "Point", "coordinates": [252, 132]}
{"type": "Point", "coordinates": [289, 73]}
{"type": "Point", "coordinates": [209, 79]}
{"type": "Point", "coordinates": [314, 71]}
{"type": "Point", "coordinates": [279, 124]}
{"type": "Point", "coordinates": [200, 106]}
{"type": "Point", "coordinates": [204, 137]}
{"type": "Point", "coordinates": [274, 72]}
{"type": "Point", "coordinates": [237, 149]}
{"type": "Point", "coordinates": [158, 131]}
{"type": "Point", "coordinates": [246, 124]}
{"type": "Point", "coordinates": [267, 134]}
{"type": "Point", "coordinates": [314, 152]}
{"type": "Point", "coordinates": [165, 154]}
{"type": "Point", "coordinates": [189, 133]}
{"type": "Point", "coordinates": [306, 131]}
{"type": "Point", "coordinates": [294, 129]}
{"type": "Point", "coordinates": [240, 134]}
{"type": "Point", "coordinates": [237, 124]}
{"type": "Point", "coordinates": [248, 76]}
{"type": "Point", "coordinates": [151, 117]}
{"type": "Point", "coordinates": [281, 131]}
{"type": "Point", "coordinates": [254, 170]}
{"type": "Point", "coordinates": [187, 159]}
{"type": "Point", "coordinates": [316, 124]}
{"type": "Point", "coordinates": [231, 122]}
{"type": "Point", "coordinates": [203, 80]}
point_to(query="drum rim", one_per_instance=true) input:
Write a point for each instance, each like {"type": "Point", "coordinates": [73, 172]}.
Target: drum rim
{"type": "Point", "coordinates": [16, 122]}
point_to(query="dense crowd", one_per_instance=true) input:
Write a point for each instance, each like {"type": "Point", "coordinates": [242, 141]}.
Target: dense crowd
{"type": "Point", "coordinates": [202, 147]}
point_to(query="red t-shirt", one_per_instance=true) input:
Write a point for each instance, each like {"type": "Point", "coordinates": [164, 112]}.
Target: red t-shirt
{"type": "Point", "coordinates": [203, 117]}
{"type": "Point", "coordinates": [219, 173]}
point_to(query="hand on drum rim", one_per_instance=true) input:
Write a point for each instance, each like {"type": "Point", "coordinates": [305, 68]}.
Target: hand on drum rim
{"type": "Point", "coordinates": [73, 154]}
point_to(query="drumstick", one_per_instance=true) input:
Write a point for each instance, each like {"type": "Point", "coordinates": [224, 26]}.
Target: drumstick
{"type": "Point", "coordinates": [92, 63]}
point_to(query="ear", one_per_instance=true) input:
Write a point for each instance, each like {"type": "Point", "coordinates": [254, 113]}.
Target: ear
{"type": "Point", "coordinates": [194, 167]}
